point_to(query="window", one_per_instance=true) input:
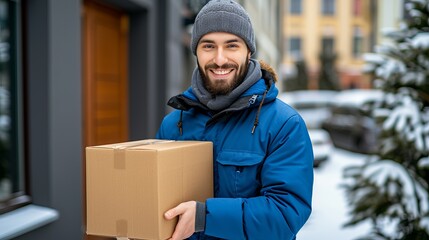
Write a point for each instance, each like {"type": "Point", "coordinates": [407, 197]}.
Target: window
{"type": "Point", "coordinates": [357, 8]}
{"type": "Point", "coordinates": [12, 187]}
{"type": "Point", "coordinates": [294, 48]}
{"type": "Point", "coordinates": [295, 7]}
{"type": "Point", "coordinates": [328, 44]}
{"type": "Point", "coordinates": [357, 42]}
{"type": "Point", "coordinates": [328, 7]}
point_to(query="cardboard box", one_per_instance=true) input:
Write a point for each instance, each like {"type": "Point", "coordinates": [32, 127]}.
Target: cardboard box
{"type": "Point", "coordinates": [129, 186]}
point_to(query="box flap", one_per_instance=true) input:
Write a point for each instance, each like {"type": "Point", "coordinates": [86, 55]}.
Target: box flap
{"type": "Point", "coordinates": [161, 145]}
{"type": "Point", "coordinates": [131, 144]}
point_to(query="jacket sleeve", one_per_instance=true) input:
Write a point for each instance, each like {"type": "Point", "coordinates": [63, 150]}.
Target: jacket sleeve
{"type": "Point", "coordinates": [284, 204]}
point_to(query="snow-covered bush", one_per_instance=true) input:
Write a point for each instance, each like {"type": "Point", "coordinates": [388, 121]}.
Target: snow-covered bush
{"type": "Point", "coordinates": [392, 189]}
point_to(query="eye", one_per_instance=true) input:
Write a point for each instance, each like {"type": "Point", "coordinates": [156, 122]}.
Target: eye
{"type": "Point", "coordinates": [232, 45]}
{"type": "Point", "coordinates": [207, 46]}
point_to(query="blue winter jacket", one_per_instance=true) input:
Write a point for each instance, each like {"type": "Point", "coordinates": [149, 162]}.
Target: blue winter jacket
{"type": "Point", "coordinates": [263, 162]}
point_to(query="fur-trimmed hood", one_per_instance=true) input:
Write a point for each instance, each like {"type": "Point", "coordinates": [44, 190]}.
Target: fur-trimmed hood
{"type": "Point", "coordinates": [265, 66]}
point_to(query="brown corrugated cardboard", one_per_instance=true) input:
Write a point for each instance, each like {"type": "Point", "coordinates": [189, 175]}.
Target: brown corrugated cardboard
{"type": "Point", "coordinates": [130, 185]}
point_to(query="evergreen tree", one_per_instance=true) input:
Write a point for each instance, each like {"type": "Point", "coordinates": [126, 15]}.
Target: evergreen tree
{"type": "Point", "coordinates": [391, 190]}
{"type": "Point", "coordinates": [328, 76]}
{"type": "Point", "coordinates": [298, 81]}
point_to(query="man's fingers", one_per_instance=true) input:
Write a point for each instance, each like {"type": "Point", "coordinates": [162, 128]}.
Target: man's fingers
{"type": "Point", "coordinates": [186, 225]}
{"type": "Point", "coordinates": [172, 213]}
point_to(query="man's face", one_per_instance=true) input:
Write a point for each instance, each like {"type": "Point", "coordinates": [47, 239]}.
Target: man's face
{"type": "Point", "coordinates": [222, 59]}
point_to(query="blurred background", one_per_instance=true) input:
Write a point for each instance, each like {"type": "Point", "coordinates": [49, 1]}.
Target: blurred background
{"type": "Point", "coordinates": [76, 73]}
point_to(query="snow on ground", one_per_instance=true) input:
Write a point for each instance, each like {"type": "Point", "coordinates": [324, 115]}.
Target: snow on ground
{"type": "Point", "coordinates": [330, 209]}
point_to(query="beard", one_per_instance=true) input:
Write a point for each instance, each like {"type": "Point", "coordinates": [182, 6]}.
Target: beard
{"type": "Point", "coordinates": [224, 87]}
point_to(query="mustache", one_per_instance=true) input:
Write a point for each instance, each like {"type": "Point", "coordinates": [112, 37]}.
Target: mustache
{"type": "Point", "coordinates": [226, 65]}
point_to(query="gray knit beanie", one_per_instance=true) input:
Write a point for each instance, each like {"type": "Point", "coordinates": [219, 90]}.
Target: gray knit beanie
{"type": "Point", "coordinates": [223, 16]}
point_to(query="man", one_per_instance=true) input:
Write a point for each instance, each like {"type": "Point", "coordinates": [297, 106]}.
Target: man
{"type": "Point", "coordinates": [263, 159]}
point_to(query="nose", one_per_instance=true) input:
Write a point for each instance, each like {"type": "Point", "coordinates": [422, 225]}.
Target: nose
{"type": "Point", "coordinates": [220, 58]}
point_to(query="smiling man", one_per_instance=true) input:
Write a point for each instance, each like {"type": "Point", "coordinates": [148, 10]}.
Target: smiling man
{"type": "Point", "coordinates": [223, 60]}
{"type": "Point", "coordinates": [263, 159]}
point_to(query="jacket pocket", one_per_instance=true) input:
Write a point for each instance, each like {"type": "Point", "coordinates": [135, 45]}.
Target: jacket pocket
{"type": "Point", "coordinates": [239, 174]}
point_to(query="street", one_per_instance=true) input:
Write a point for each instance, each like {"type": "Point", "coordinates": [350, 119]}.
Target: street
{"type": "Point", "coordinates": [329, 203]}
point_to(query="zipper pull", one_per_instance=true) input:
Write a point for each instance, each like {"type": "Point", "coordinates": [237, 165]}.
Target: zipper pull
{"type": "Point", "coordinates": [252, 100]}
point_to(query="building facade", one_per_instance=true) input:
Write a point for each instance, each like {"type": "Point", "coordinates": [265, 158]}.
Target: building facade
{"type": "Point", "coordinates": [343, 28]}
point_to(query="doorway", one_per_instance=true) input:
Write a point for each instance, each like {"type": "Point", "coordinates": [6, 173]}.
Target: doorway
{"type": "Point", "coordinates": [105, 79]}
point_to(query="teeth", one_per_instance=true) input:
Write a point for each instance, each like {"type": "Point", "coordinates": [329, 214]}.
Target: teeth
{"type": "Point", "coordinates": [220, 72]}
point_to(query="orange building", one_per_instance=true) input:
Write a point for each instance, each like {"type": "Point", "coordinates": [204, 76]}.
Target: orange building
{"type": "Point", "coordinates": [345, 27]}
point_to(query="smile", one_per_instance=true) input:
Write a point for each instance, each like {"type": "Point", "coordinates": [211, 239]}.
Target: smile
{"type": "Point", "coordinates": [221, 71]}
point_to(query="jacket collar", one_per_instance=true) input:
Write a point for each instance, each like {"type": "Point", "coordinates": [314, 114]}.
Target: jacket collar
{"type": "Point", "coordinates": [252, 97]}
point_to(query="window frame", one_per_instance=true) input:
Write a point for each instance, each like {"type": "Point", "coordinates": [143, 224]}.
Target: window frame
{"type": "Point", "coordinates": [357, 8]}
{"type": "Point", "coordinates": [328, 44]}
{"type": "Point", "coordinates": [357, 42]}
{"type": "Point", "coordinates": [21, 196]}
{"type": "Point", "coordinates": [295, 53]}
{"type": "Point", "coordinates": [328, 7]}
{"type": "Point", "coordinates": [295, 7]}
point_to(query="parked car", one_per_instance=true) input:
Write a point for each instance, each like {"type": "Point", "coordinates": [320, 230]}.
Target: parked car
{"type": "Point", "coordinates": [351, 126]}
{"type": "Point", "coordinates": [322, 145]}
{"type": "Point", "coordinates": [313, 105]}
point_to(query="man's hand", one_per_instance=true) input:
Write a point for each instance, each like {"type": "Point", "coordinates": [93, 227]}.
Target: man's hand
{"type": "Point", "coordinates": [186, 225]}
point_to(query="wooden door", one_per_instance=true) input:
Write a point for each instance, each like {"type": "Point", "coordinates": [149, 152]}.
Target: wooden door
{"type": "Point", "coordinates": [105, 74]}
{"type": "Point", "coordinates": [105, 93]}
